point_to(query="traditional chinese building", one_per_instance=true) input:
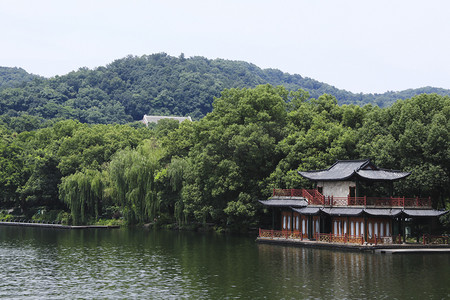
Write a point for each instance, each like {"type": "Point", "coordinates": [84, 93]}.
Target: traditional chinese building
{"type": "Point", "coordinates": [352, 202]}
{"type": "Point", "coordinates": [155, 119]}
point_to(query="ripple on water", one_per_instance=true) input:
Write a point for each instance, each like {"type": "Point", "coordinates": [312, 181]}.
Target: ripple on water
{"type": "Point", "coordinates": [168, 265]}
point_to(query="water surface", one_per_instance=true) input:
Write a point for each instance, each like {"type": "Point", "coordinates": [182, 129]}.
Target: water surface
{"type": "Point", "coordinates": [147, 264]}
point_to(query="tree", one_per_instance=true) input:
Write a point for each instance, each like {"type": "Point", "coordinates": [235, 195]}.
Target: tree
{"type": "Point", "coordinates": [83, 193]}
{"type": "Point", "coordinates": [132, 180]}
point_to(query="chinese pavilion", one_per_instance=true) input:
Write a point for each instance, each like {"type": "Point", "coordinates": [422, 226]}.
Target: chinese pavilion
{"type": "Point", "coordinates": [352, 203]}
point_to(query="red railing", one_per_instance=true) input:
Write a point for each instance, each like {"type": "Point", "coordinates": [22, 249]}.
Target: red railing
{"type": "Point", "coordinates": [314, 197]}
{"type": "Point", "coordinates": [435, 239]}
{"type": "Point", "coordinates": [321, 237]}
{"type": "Point", "coordinates": [281, 234]}
{"type": "Point", "coordinates": [349, 239]}
{"type": "Point", "coordinates": [287, 193]}
{"type": "Point", "coordinates": [335, 238]}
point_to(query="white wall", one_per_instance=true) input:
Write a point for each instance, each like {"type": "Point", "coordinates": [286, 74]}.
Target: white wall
{"type": "Point", "coordinates": [336, 188]}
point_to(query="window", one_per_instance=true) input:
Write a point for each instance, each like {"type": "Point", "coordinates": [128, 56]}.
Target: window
{"type": "Point", "coordinates": [352, 191]}
{"type": "Point", "coordinates": [352, 229]}
{"type": "Point", "coordinates": [357, 228]}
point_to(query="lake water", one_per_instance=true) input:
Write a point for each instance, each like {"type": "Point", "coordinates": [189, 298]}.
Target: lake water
{"type": "Point", "coordinates": [147, 264]}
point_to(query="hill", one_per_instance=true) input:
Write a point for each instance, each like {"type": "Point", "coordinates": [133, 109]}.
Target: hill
{"type": "Point", "coordinates": [12, 77]}
{"type": "Point", "coordinates": [128, 88]}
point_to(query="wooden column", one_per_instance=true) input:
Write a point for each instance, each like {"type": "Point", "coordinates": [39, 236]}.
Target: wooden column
{"type": "Point", "coordinates": [366, 230]}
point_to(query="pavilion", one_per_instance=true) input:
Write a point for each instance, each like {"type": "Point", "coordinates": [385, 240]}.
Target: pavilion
{"type": "Point", "coordinates": [352, 202]}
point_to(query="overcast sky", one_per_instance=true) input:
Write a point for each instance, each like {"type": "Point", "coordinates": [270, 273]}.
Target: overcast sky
{"type": "Point", "coordinates": [360, 46]}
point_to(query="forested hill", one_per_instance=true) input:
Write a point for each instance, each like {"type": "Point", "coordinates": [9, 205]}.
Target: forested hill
{"type": "Point", "coordinates": [130, 87]}
{"type": "Point", "coordinates": [13, 77]}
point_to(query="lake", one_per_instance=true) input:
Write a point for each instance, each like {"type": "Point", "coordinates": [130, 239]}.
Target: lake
{"type": "Point", "coordinates": [156, 264]}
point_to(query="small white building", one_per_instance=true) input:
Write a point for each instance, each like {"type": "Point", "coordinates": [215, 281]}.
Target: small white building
{"type": "Point", "coordinates": [156, 119]}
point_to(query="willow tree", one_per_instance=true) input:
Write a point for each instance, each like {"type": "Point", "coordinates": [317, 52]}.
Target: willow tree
{"type": "Point", "coordinates": [132, 179]}
{"type": "Point", "coordinates": [83, 193]}
{"type": "Point", "coordinates": [174, 175]}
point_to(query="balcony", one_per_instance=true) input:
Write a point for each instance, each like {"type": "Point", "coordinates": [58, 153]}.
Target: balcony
{"type": "Point", "coordinates": [316, 198]}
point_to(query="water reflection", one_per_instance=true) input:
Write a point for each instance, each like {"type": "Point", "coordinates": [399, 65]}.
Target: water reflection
{"type": "Point", "coordinates": [117, 264]}
{"type": "Point", "coordinates": [338, 274]}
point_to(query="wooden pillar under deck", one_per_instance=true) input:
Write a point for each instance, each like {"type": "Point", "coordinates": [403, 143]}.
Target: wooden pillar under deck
{"type": "Point", "coordinates": [292, 220]}
{"type": "Point", "coordinates": [273, 218]}
{"type": "Point", "coordinates": [366, 230]}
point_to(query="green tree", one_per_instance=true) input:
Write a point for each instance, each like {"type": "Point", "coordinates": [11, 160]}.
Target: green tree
{"type": "Point", "coordinates": [132, 180]}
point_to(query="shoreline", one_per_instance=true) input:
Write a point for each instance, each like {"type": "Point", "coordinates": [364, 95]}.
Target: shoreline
{"type": "Point", "coordinates": [57, 226]}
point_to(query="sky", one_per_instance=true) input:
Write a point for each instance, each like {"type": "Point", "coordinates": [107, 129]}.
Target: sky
{"type": "Point", "coordinates": [359, 46]}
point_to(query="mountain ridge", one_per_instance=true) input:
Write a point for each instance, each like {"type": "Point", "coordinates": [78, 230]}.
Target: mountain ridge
{"type": "Point", "coordinates": [127, 88]}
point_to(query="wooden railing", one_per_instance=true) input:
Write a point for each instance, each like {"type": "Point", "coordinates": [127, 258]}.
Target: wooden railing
{"type": "Point", "coordinates": [321, 237]}
{"type": "Point", "coordinates": [287, 193]}
{"type": "Point", "coordinates": [343, 239]}
{"type": "Point", "coordinates": [435, 239]}
{"type": "Point", "coordinates": [315, 198]}
{"type": "Point", "coordinates": [281, 234]}
{"type": "Point", "coordinates": [349, 239]}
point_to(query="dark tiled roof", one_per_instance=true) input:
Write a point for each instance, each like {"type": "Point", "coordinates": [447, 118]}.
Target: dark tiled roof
{"type": "Point", "coordinates": [341, 169]}
{"type": "Point", "coordinates": [342, 211]}
{"type": "Point", "coordinates": [390, 212]}
{"type": "Point", "coordinates": [345, 169]}
{"type": "Point", "coordinates": [424, 212]}
{"type": "Point", "coordinates": [300, 202]}
{"type": "Point", "coordinates": [382, 174]}
{"type": "Point", "coordinates": [307, 210]}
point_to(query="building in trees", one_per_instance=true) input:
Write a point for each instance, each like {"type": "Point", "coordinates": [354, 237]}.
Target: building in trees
{"type": "Point", "coordinates": [352, 202]}
{"type": "Point", "coordinates": [156, 119]}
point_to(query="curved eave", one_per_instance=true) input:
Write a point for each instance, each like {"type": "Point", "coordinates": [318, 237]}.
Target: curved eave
{"type": "Point", "coordinates": [424, 212]}
{"type": "Point", "coordinates": [284, 202]}
{"type": "Point", "coordinates": [307, 175]}
{"type": "Point", "coordinates": [383, 212]}
{"type": "Point", "coordinates": [307, 210]}
{"type": "Point", "coordinates": [382, 175]}
{"type": "Point", "coordinates": [343, 211]}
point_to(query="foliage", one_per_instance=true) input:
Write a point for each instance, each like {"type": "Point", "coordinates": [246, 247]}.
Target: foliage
{"type": "Point", "coordinates": [83, 193]}
{"type": "Point", "coordinates": [156, 84]}
{"type": "Point", "coordinates": [12, 77]}
{"type": "Point", "coordinates": [132, 179]}
{"type": "Point", "coordinates": [214, 170]}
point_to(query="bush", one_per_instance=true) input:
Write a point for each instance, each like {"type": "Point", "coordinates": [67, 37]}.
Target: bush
{"type": "Point", "coordinates": [6, 217]}
{"type": "Point", "coordinates": [64, 218]}
{"type": "Point", "coordinates": [51, 216]}
{"type": "Point", "coordinates": [110, 222]}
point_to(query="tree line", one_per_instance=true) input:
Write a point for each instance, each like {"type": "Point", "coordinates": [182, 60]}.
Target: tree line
{"type": "Point", "coordinates": [214, 170]}
{"type": "Point", "coordinates": [156, 84]}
